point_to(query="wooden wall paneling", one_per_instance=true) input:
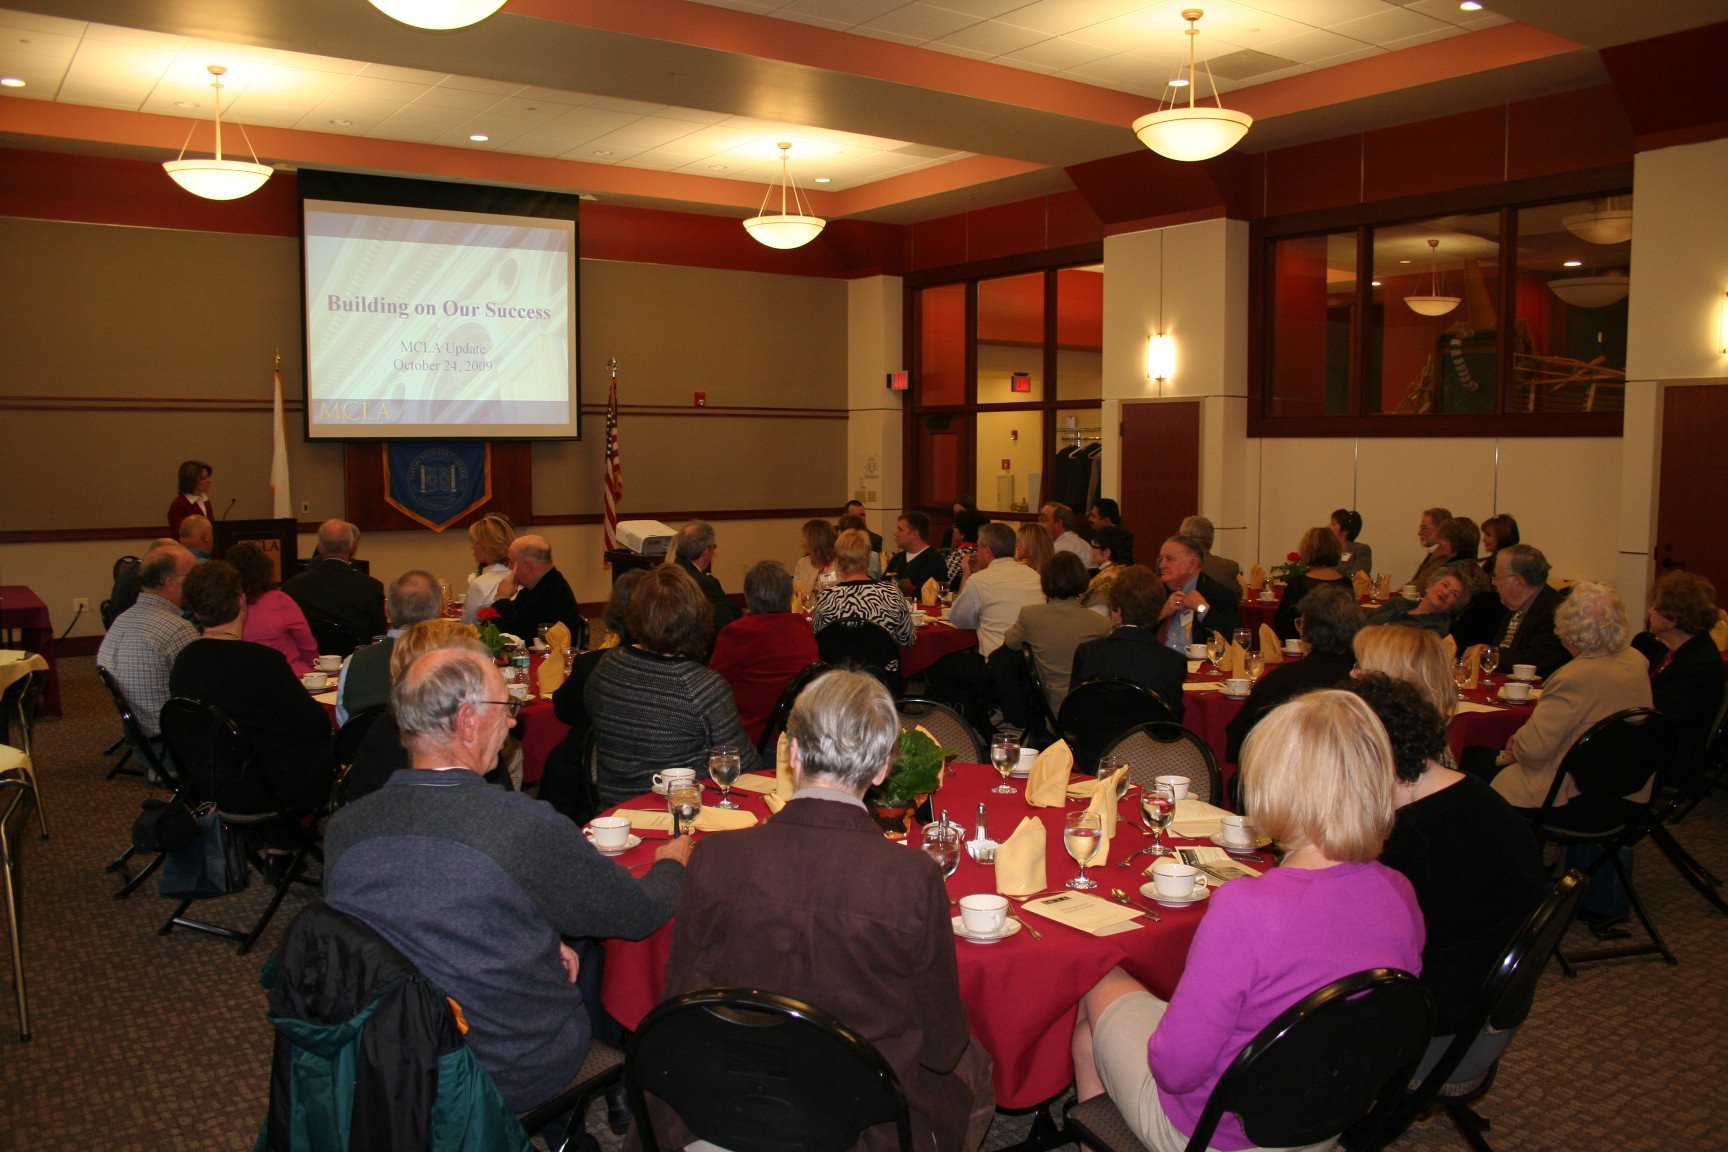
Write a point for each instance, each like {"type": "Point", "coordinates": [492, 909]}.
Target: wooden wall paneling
{"type": "Point", "coordinates": [1693, 498]}
{"type": "Point", "coordinates": [1160, 469]}
{"type": "Point", "coordinates": [364, 488]}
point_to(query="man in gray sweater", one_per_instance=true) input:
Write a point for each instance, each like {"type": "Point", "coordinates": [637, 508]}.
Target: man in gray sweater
{"type": "Point", "coordinates": [480, 886]}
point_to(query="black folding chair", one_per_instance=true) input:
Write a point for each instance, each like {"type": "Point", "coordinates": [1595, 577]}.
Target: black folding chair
{"type": "Point", "coordinates": [1339, 1056]}
{"type": "Point", "coordinates": [347, 743]}
{"type": "Point", "coordinates": [1099, 710]}
{"type": "Point", "coordinates": [1165, 748]}
{"type": "Point", "coordinates": [333, 639]}
{"type": "Point", "coordinates": [1043, 702]}
{"type": "Point", "coordinates": [947, 725]}
{"type": "Point", "coordinates": [783, 709]}
{"type": "Point", "coordinates": [17, 793]}
{"type": "Point", "coordinates": [20, 703]}
{"type": "Point", "coordinates": [863, 645]}
{"type": "Point", "coordinates": [1617, 757]}
{"type": "Point", "coordinates": [754, 1071]}
{"type": "Point", "coordinates": [155, 766]}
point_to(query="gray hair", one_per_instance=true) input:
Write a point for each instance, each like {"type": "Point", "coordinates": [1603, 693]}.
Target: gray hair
{"type": "Point", "coordinates": [1526, 563]}
{"type": "Point", "coordinates": [1438, 515]}
{"type": "Point", "coordinates": [1198, 529]}
{"type": "Point", "coordinates": [193, 526]}
{"type": "Point", "coordinates": [431, 690]}
{"type": "Point", "coordinates": [337, 538]}
{"type": "Point", "coordinates": [160, 564]}
{"type": "Point", "coordinates": [414, 596]}
{"type": "Point", "coordinates": [1188, 544]}
{"type": "Point", "coordinates": [768, 588]}
{"type": "Point", "coordinates": [1592, 620]}
{"type": "Point", "coordinates": [997, 539]}
{"type": "Point", "coordinates": [694, 538]}
{"type": "Point", "coordinates": [846, 728]}
{"type": "Point", "coordinates": [533, 548]}
{"type": "Point", "coordinates": [1330, 618]}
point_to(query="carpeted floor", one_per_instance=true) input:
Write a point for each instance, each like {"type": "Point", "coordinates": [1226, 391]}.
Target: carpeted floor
{"type": "Point", "coordinates": [146, 1043]}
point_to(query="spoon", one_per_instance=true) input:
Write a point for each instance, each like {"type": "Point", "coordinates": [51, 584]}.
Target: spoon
{"type": "Point", "coordinates": [1122, 898]}
{"type": "Point", "coordinates": [1033, 932]}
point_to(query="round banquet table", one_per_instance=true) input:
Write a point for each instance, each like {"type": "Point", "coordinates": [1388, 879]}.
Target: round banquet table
{"type": "Point", "coordinates": [1021, 994]}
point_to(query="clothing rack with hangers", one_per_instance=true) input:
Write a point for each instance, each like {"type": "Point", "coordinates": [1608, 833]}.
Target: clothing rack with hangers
{"type": "Point", "coordinates": [1074, 437]}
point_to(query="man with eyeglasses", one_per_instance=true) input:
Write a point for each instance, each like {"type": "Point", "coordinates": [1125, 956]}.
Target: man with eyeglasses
{"type": "Point", "coordinates": [1525, 631]}
{"type": "Point", "coordinates": [484, 889]}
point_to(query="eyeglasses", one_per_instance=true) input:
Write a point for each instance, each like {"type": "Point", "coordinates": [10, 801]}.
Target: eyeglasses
{"type": "Point", "coordinates": [514, 706]}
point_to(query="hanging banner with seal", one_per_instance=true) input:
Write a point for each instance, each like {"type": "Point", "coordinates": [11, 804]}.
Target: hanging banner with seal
{"type": "Point", "coordinates": [437, 482]}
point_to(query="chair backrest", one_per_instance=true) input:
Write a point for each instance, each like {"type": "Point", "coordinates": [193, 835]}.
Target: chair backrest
{"type": "Point", "coordinates": [788, 697]}
{"type": "Point", "coordinates": [1037, 682]}
{"type": "Point", "coordinates": [865, 645]}
{"type": "Point", "coordinates": [1099, 710]}
{"type": "Point", "coordinates": [136, 740]}
{"type": "Point", "coordinates": [348, 741]}
{"type": "Point", "coordinates": [1324, 1064]}
{"type": "Point", "coordinates": [333, 639]}
{"type": "Point", "coordinates": [124, 564]}
{"type": "Point", "coordinates": [21, 702]}
{"type": "Point", "coordinates": [1165, 748]}
{"type": "Point", "coordinates": [209, 750]}
{"type": "Point", "coordinates": [944, 722]}
{"type": "Point", "coordinates": [1617, 755]}
{"type": "Point", "coordinates": [755, 1071]}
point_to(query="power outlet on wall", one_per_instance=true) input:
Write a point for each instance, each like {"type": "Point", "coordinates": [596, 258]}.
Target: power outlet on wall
{"type": "Point", "coordinates": [81, 604]}
{"type": "Point", "coordinates": [305, 506]}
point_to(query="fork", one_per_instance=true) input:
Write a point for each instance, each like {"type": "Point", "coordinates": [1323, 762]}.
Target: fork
{"type": "Point", "coordinates": [1033, 932]}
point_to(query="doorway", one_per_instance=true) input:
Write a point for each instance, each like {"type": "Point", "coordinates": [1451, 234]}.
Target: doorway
{"type": "Point", "coordinates": [1692, 502]}
{"type": "Point", "coordinates": [1160, 470]}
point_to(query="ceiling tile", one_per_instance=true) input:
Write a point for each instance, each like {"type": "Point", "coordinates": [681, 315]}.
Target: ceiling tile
{"type": "Point", "coordinates": [980, 9]}
{"type": "Point", "coordinates": [446, 97]}
{"type": "Point", "coordinates": [845, 13]}
{"type": "Point", "coordinates": [1446, 11]}
{"type": "Point", "coordinates": [634, 107]}
{"type": "Point", "coordinates": [1321, 13]}
{"type": "Point", "coordinates": [15, 45]}
{"type": "Point", "coordinates": [891, 37]}
{"type": "Point", "coordinates": [405, 75]}
{"type": "Point", "coordinates": [1392, 24]}
{"type": "Point", "coordinates": [1346, 57]}
{"type": "Point", "coordinates": [1313, 45]}
{"type": "Point", "coordinates": [27, 22]}
{"type": "Point", "coordinates": [375, 89]}
{"type": "Point", "coordinates": [956, 50]}
{"type": "Point", "coordinates": [1058, 52]}
{"type": "Point", "coordinates": [1060, 17]}
{"type": "Point", "coordinates": [923, 21]}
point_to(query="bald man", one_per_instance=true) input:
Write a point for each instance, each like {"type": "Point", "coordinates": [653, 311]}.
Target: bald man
{"type": "Point", "coordinates": [332, 591]}
{"type": "Point", "coordinates": [535, 593]}
{"type": "Point", "coordinates": [197, 536]}
{"type": "Point", "coordinates": [140, 647]}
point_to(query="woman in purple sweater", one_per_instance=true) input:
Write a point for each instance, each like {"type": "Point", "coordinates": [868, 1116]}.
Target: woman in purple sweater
{"type": "Point", "coordinates": [1317, 778]}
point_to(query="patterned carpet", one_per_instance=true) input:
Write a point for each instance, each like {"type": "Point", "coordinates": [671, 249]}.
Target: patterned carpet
{"type": "Point", "coordinates": [146, 1043]}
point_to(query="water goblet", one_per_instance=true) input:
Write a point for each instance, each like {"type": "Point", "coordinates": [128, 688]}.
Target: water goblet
{"type": "Point", "coordinates": [1107, 767]}
{"type": "Point", "coordinates": [1159, 805]}
{"type": "Point", "coordinates": [1004, 754]}
{"type": "Point", "coordinates": [1490, 660]}
{"type": "Point", "coordinates": [1215, 649]}
{"type": "Point", "coordinates": [723, 764]}
{"type": "Point", "coordinates": [1460, 674]}
{"type": "Point", "coordinates": [1243, 639]}
{"type": "Point", "coordinates": [942, 844]}
{"type": "Point", "coordinates": [684, 802]}
{"type": "Point", "coordinates": [1082, 835]}
{"type": "Point", "coordinates": [1256, 664]}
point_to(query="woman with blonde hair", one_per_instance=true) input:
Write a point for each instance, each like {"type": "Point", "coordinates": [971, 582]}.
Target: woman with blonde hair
{"type": "Point", "coordinates": [1319, 550]}
{"type": "Point", "coordinates": [1317, 778]}
{"type": "Point", "coordinates": [1033, 547]}
{"type": "Point", "coordinates": [1413, 655]}
{"type": "Point", "coordinates": [815, 569]}
{"type": "Point", "coordinates": [489, 537]}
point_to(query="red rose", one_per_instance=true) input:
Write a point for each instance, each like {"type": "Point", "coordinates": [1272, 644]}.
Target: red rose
{"type": "Point", "coordinates": [1294, 556]}
{"type": "Point", "coordinates": [486, 613]}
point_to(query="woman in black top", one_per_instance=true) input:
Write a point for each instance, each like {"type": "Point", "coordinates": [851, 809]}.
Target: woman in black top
{"type": "Point", "coordinates": [1329, 620]}
{"type": "Point", "coordinates": [1686, 676]}
{"type": "Point", "coordinates": [1319, 550]}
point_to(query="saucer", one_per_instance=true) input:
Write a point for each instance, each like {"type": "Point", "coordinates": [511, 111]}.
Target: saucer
{"type": "Point", "coordinates": [1232, 695]}
{"type": "Point", "coordinates": [1259, 842]}
{"type": "Point", "coordinates": [660, 789]}
{"type": "Point", "coordinates": [329, 683]}
{"type": "Point", "coordinates": [1524, 703]}
{"type": "Point", "coordinates": [628, 844]}
{"type": "Point", "coordinates": [1009, 928]}
{"type": "Point", "coordinates": [1150, 891]}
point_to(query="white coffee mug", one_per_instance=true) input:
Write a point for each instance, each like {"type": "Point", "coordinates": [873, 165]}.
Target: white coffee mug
{"type": "Point", "coordinates": [1237, 687]}
{"type": "Point", "coordinates": [1293, 647]}
{"type": "Point", "coordinates": [1178, 786]}
{"type": "Point", "coordinates": [1524, 671]}
{"type": "Point", "coordinates": [1515, 690]}
{"type": "Point", "coordinates": [1196, 651]}
{"type": "Point", "coordinates": [609, 832]}
{"type": "Point", "coordinates": [1267, 595]}
{"type": "Point", "coordinates": [1408, 592]}
{"type": "Point", "coordinates": [1238, 830]}
{"type": "Point", "coordinates": [315, 681]}
{"type": "Point", "coordinates": [1027, 755]}
{"type": "Point", "coordinates": [519, 692]}
{"type": "Point", "coordinates": [984, 913]}
{"type": "Point", "coordinates": [664, 781]}
{"type": "Point", "coordinates": [1176, 881]}
{"type": "Point", "coordinates": [327, 663]}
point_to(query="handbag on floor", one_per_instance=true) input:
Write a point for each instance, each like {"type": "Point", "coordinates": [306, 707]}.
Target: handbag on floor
{"type": "Point", "coordinates": [213, 864]}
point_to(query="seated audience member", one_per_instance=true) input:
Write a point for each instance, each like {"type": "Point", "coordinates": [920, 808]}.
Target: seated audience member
{"type": "Point", "coordinates": [1131, 651]}
{"type": "Point", "coordinates": [1052, 630]}
{"type": "Point", "coordinates": [1603, 677]}
{"type": "Point", "coordinates": [693, 551]}
{"type": "Point", "coordinates": [272, 618]}
{"type": "Point", "coordinates": [1112, 551]}
{"type": "Point", "coordinates": [285, 730]}
{"type": "Point", "coordinates": [140, 649]}
{"type": "Point", "coordinates": [1033, 547]}
{"type": "Point", "coordinates": [1059, 520]}
{"type": "Point", "coordinates": [965, 543]}
{"type": "Point", "coordinates": [1328, 620]}
{"type": "Point", "coordinates": [853, 523]}
{"type": "Point", "coordinates": [1685, 667]}
{"type": "Point", "coordinates": [198, 536]}
{"type": "Point", "coordinates": [963, 504]}
{"type": "Point", "coordinates": [1498, 532]}
{"type": "Point", "coordinates": [1197, 605]}
{"type": "Point", "coordinates": [194, 497]}
{"type": "Point", "coordinates": [1105, 513]}
{"type": "Point", "coordinates": [855, 508]}
{"type": "Point", "coordinates": [479, 886]}
{"type": "Point", "coordinates": [759, 653]}
{"type": "Point", "coordinates": [1428, 535]}
{"type": "Point", "coordinates": [1353, 555]}
{"type": "Point", "coordinates": [1433, 613]}
{"type": "Point", "coordinates": [653, 703]}
{"type": "Point", "coordinates": [1329, 911]}
{"type": "Point", "coordinates": [758, 902]}
{"type": "Point", "coordinates": [1319, 551]}
{"type": "Point", "coordinates": [916, 561]}
{"type": "Point", "coordinates": [534, 593]}
{"type": "Point", "coordinates": [124, 593]}
{"type": "Point", "coordinates": [815, 569]}
{"type": "Point", "coordinates": [855, 596]}
{"type": "Point", "coordinates": [1471, 859]}
{"type": "Point", "coordinates": [364, 685]}
{"type": "Point", "coordinates": [1415, 657]}
{"type": "Point", "coordinates": [1525, 631]}
{"type": "Point", "coordinates": [381, 753]}
{"type": "Point", "coordinates": [1457, 541]}
{"type": "Point", "coordinates": [1221, 569]}
{"type": "Point", "coordinates": [996, 590]}
{"type": "Point", "coordinates": [489, 538]}
{"type": "Point", "coordinates": [331, 588]}
{"type": "Point", "coordinates": [564, 777]}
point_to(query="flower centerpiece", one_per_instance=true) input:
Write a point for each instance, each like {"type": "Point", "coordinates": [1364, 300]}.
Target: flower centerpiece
{"type": "Point", "coordinates": [915, 774]}
{"type": "Point", "coordinates": [1292, 566]}
{"type": "Point", "coordinates": [489, 634]}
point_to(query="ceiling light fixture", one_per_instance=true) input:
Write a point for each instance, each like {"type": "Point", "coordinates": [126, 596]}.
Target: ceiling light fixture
{"type": "Point", "coordinates": [438, 15]}
{"type": "Point", "coordinates": [1572, 264]}
{"type": "Point", "coordinates": [1432, 304]}
{"type": "Point", "coordinates": [1469, 6]}
{"type": "Point", "coordinates": [11, 82]}
{"type": "Point", "coordinates": [784, 229]}
{"type": "Point", "coordinates": [479, 137]}
{"type": "Point", "coordinates": [217, 179]}
{"type": "Point", "coordinates": [1590, 291]}
{"type": "Point", "coordinates": [1194, 131]}
{"type": "Point", "coordinates": [1604, 224]}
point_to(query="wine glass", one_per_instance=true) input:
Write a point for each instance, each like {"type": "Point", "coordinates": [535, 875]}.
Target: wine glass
{"type": "Point", "coordinates": [1215, 649]}
{"type": "Point", "coordinates": [1004, 754]}
{"type": "Point", "coordinates": [684, 802]}
{"type": "Point", "coordinates": [1256, 664]}
{"type": "Point", "coordinates": [1460, 674]}
{"type": "Point", "coordinates": [1159, 805]}
{"type": "Point", "coordinates": [1243, 639]}
{"type": "Point", "coordinates": [569, 661]}
{"type": "Point", "coordinates": [723, 764]}
{"type": "Point", "coordinates": [1490, 660]}
{"type": "Point", "coordinates": [1107, 765]}
{"type": "Point", "coordinates": [942, 844]}
{"type": "Point", "coordinates": [1082, 835]}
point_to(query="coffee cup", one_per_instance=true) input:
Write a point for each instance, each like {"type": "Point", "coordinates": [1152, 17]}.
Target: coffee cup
{"type": "Point", "coordinates": [1178, 786]}
{"type": "Point", "coordinates": [983, 913]}
{"type": "Point", "coordinates": [671, 778]}
{"type": "Point", "coordinates": [327, 663]}
{"type": "Point", "coordinates": [1237, 686]}
{"type": "Point", "coordinates": [983, 851]}
{"type": "Point", "coordinates": [1238, 831]}
{"type": "Point", "coordinates": [315, 681]}
{"type": "Point", "coordinates": [1176, 881]}
{"type": "Point", "coordinates": [1196, 651]}
{"type": "Point", "coordinates": [1267, 595]}
{"type": "Point", "coordinates": [519, 692]}
{"type": "Point", "coordinates": [1027, 756]}
{"type": "Point", "coordinates": [1409, 592]}
{"type": "Point", "coordinates": [1523, 671]}
{"type": "Point", "coordinates": [1293, 647]}
{"type": "Point", "coordinates": [1515, 690]}
{"type": "Point", "coordinates": [609, 832]}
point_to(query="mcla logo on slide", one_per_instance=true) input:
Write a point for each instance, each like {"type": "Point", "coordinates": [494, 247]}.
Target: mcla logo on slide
{"type": "Point", "coordinates": [355, 412]}
{"type": "Point", "coordinates": [439, 478]}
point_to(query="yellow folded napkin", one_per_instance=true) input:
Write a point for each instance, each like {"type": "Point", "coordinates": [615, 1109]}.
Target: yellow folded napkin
{"type": "Point", "coordinates": [1082, 789]}
{"type": "Point", "coordinates": [558, 637]}
{"type": "Point", "coordinates": [550, 675]}
{"type": "Point", "coordinates": [1383, 587]}
{"type": "Point", "coordinates": [708, 820]}
{"type": "Point", "coordinates": [1047, 783]}
{"type": "Point", "coordinates": [1451, 647]}
{"type": "Point", "coordinates": [1104, 804]}
{"type": "Point", "coordinates": [1243, 582]}
{"type": "Point", "coordinates": [1020, 860]}
{"type": "Point", "coordinates": [1362, 584]}
{"type": "Point", "coordinates": [784, 783]}
{"type": "Point", "coordinates": [1235, 662]}
{"type": "Point", "coordinates": [930, 593]}
{"type": "Point", "coordinates": [1256, 577]}
{"type": "Point", "coordinates": [1719, 631]}
{"type": "Point", "coordinates": [758, 782]}
{"type": "Point", "coordinates": [1271, 650]}
{"type": "Point", "coordinates": [774, 803]}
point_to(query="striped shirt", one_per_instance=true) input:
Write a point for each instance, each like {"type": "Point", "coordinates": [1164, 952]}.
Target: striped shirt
{"type": "Point", "coordinates": [872, 600]}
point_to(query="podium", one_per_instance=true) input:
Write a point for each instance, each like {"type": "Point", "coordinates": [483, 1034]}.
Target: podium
{"type": "Point", "coordinates": [623, 560]}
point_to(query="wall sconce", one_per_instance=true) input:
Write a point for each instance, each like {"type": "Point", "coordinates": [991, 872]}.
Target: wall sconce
{"type": "Point", "coordinates": [1160, 357]}
{"type": "Point", "coordinates": [1722, 326]}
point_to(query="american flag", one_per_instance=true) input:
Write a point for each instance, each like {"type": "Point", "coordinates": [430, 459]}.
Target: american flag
{"type": "Point", "coordinates": [614, 466]}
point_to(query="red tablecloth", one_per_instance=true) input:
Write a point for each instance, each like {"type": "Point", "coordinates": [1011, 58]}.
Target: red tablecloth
{"type": "Point", "coordinates": [1020, 993]}
{"type": "Point", "coordinates": [21, 610]}
{"type": "Point", "coordinates": [934, 642]}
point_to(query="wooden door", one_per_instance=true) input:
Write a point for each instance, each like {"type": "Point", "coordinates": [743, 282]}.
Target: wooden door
{"type": "Point", "coordinates": [1160, 471]}
{"type": "Point", "coordinates": [1692, 502]}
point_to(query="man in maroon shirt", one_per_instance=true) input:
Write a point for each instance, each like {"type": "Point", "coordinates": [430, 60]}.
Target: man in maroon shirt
{"type": "Point", "coordinates": [758, 654]}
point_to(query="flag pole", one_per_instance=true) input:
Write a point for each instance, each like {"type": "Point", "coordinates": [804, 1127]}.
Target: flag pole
{"type": "Point", "coordinates": [613, 481]}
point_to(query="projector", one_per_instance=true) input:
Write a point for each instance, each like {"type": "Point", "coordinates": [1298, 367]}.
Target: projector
{"type": "Point", "coordinates": [645, 537]}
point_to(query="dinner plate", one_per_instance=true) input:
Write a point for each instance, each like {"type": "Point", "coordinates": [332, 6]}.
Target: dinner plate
{"type": "Point", "coordinates": [1259, 842]}
{"type": "Point", "coordinates": [1150, 891]}
{"type": "Point", "coordinates": [1009, 928]}
{"type": "Point", "coordinates": [628, 844]}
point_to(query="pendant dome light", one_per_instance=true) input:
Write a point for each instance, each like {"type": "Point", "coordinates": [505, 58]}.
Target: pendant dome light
{"type": "Point", "coordinates": [438, 15]}
{"type": "Point", "coordinates": [1432, 304]}
{"type": "Point", "coordinates": [1195, 131]}
{"type": "Point", "coordinates": [784, 229]}
{"type": "Point", "coordinates": [216, 178]}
